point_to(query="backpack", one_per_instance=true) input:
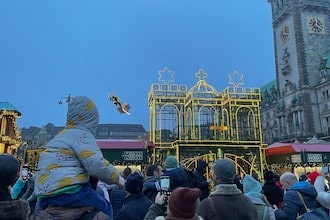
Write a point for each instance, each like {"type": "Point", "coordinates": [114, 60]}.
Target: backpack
{"type": "Point", "coordinates": [263, 213]}
{"type": "Point", "coordinates": [263, 209]}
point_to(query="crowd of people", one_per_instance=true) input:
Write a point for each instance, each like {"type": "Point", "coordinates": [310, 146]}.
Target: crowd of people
{"type": "Point", "coordinates": [75, 181]}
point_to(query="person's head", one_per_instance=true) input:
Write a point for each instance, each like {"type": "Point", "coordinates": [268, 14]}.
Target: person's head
{"type": "Point", "coordinates": [134, 183]}
{"type": "Point", "coordinates": [82, 112]}
{"type": "Point", "coordinates": [224, 171]}
{"type": "Point", "coordinates": [183, 202]}
{"type": "Point", "coordinates": [154, 170]}
{"type": "Point", "coordinates": [171, 162]}
{"type": "Point", "coordinates": [127, 171]}
{"type": "Point", "coordinates": [9, 171]}
{"type": "Point", "coordinates": [251, 186]}
{"type": "Point", "coordinates": [302, 178]}
{"type": "Point", "coordinates": [276, 177]}
{"type": "Point", "coordinates": [269, 176]}
{"type": "Point", "coordinates": [287, 179]}
{"type": "Point", "coordinates": [311, 177]}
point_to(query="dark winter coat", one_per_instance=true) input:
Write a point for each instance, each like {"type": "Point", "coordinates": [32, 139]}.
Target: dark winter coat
{"type": "Point", "coordinates": [273, 192]}
{"type": "Point", "coordinates": [135, 207]}
{"type": "Point", "coordinates": [202, 184]}
{"type": "Point", "coordinates": [14, 209]}
{"type": "Point", "coordinates": [5, 193]}
{"type": "Point", "coordinates": [117, 198]}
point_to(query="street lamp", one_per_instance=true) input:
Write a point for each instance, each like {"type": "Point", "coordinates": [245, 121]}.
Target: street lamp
{"type": "Point", "coordinates": [67, 99]}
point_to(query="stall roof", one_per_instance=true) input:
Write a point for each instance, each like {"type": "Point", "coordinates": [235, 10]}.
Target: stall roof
{"type": "Point", "coordinates": [292, 148]}
{"type": "Point", "coordinates": [9, 107]}
{"type": "Point", "coordinates": [123, 144]}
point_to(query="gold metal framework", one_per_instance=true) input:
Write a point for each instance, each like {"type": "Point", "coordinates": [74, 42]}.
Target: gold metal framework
{"type": "Point", "coordinates": [200, 122]}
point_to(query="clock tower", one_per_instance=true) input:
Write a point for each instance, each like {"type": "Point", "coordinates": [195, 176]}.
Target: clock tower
{"type": "Point", "coordinates": [301, 30]}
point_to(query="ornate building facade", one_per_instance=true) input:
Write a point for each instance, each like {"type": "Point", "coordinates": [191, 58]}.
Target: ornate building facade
{"type": "Point", "coordinates": [296, 106]}
{"type": "Point", "coordinates": [10, 136]}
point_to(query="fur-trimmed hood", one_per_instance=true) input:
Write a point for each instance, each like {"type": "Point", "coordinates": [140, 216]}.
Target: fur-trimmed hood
{"type": "Point", "coordinates": [226, 189]}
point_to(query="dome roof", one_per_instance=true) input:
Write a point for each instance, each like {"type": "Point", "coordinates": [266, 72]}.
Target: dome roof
{"type": "Point", "coordinates": [202, 86]}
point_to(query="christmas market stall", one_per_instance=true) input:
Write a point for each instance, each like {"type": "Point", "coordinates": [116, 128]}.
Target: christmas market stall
{"type": "Point", "coordinates": [123, 153]}
{"type": "Point", "coordinates": [299, 158]}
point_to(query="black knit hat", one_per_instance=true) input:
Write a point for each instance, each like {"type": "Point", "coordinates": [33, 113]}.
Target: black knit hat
{"type": "Point", "coordinates": [269, 175]}
{"type": "Point", "coordinates": [9, 169]}
{"type": "Point", "coordinates": [134, 183]}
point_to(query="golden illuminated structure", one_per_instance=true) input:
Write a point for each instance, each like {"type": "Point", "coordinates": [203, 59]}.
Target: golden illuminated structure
{"type": "Point", "coordinates": [203, 123]}
{"type": "Point", "coordinates": [10, 135]}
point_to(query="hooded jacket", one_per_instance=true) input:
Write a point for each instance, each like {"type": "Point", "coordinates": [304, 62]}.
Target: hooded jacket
{"type": "Point", "coordinates": [73, 155]}
{"type": "Point", "coordinates": [252, 189]}
{"type": "Point", "coordinates": [323, 197]}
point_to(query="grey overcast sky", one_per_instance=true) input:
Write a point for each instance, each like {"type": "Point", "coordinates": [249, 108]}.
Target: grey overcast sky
{"type": "Point", "coordinates": [50, 48]}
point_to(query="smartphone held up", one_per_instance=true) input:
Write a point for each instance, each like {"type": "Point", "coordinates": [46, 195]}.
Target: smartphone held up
{"type": "Point", "coordinates": [25, 173]}
{"type": "Point", "coordinates": [165, 183]}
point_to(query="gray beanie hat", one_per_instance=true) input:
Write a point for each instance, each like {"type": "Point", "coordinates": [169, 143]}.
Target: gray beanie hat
{"type": "Point", "coordinates": [225, 170]}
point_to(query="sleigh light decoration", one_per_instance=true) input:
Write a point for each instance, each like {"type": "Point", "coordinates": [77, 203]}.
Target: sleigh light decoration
{"type": "Point", "coordinates": [121, 107]}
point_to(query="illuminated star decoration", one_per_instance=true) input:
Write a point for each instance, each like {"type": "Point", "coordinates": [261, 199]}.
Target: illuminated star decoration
{"type": "Point", "coordinates": [166, 76]}
{"type": "Point", "coordinates": [201, 75]}
{"type": "Point", "coordinates": [235, 79]}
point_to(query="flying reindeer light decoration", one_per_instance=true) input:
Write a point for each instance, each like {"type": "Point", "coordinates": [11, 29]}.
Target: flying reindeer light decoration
{"type": "Point", "coordinates": [121, 107]}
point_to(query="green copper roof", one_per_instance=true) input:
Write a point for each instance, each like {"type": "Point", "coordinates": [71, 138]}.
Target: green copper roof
{"type": "Point", "coordinates": [268, 86]}
{"type": "Point", "coordinates": [9, 107]}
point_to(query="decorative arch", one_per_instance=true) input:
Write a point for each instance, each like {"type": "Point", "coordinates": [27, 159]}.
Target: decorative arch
{"type": "Point", "coordinates": [245, 123]}
{"type": "Point", "coordinates": [169, 122]}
